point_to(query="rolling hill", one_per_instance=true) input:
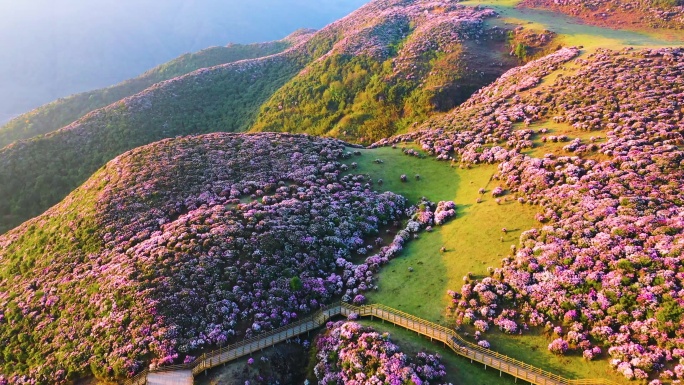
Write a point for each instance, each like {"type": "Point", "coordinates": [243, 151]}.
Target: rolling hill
{"type": "Point", "coordinates": [388, 75]}
{"type": "Point", "coordinates": [37, 173]}
{"type": "Point", "coordinates": [219, 98]}
{"type": "Point", "coordinates": [595, 143]}
{"type": "Point", "coordinates": [534, 205]}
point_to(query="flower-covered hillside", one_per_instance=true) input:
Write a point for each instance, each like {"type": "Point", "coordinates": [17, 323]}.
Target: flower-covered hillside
{"type": "Point", "coordinates": [472, 131]}
{"type": "Point", "coordinates": [187, 244]}
{"type": "Point", "coordinates": [402, 63]}
{"type": "Point", "coordinates": [604, 270]}
{"type": "Point", "coordinates": [622, 13]}
{"type": "Point", "coordinates": [349, 353]}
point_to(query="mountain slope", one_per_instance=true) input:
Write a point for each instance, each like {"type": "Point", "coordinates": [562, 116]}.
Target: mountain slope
{"type": "Point", "coordinates": [60, 113]}
{"type": "Point", "coordinates": [405, 62]}
{"type": "Point", "coordinates": [596, 143]}
{"type": "Point", "coordinates": [185, 244]}
{"type": "Point", "coordinates": [37, 173]}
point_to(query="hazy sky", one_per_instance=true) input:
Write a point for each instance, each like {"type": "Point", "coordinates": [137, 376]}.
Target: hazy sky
{"type": "Point", "coordinates": [53, 48]}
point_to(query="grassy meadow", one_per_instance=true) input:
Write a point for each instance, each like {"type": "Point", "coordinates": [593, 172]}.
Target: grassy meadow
{"type": "Point", "coordinates": [474, 241]}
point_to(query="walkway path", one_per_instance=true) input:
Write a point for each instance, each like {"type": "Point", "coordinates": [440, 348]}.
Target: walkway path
{"type": "Point", "coordinates": [178, 377]}
{"type": "Point", "coordinates": [184, 374]}
{"type": "Point", "coordinates": [475, 353]}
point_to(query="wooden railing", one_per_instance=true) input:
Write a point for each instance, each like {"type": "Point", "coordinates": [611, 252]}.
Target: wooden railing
{"type": "Point", "coordinates": [245, 347]}
{"type": "Point", "coordinates": [432, 330]}
{"type": "Point", "coordinates": [472, 351]}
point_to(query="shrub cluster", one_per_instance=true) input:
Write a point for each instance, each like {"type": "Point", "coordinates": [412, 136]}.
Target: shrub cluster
{"type": "Point", "coordinates": [349, 353]}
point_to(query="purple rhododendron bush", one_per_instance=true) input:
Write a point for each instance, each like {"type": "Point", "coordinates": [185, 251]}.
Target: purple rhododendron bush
{"type": "Point", "coordinates": [351, 354]}
{"type": "Point", "coordinates": [603, 274]}
{"type": "Point", "coordinates": [187, 244]}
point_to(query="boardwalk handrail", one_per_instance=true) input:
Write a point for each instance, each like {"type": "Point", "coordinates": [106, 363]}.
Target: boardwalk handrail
{"type": "Point", "coordinates": [209, 360]}
{"type": "Point", "coordinates": [450, 338]}
{"type": "Point", "coordinates": [319, 318]}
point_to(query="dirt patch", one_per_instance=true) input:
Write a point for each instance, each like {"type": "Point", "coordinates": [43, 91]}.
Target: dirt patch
{"type": "Point", "coordinates": [612, 16]}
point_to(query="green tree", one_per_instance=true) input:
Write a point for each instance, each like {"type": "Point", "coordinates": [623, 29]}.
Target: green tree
{"type": "Point", "coordinates": [295, 283]}
{"type": "Point", "coordinates": [520, 51]}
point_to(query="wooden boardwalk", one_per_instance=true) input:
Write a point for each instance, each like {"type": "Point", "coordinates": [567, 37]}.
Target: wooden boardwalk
{"type": "Point", "coordinates": [489, 358]}
{"type": "Point", "coordinates": [183, 374]}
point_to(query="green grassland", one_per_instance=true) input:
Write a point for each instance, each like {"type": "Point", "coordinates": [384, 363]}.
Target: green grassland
{"type": "Point", "coordinates": [438, 181]}
{"type": "Point", "coordinates": [531, 348]}
{"type": "Point", "coordinates": [473, 242]}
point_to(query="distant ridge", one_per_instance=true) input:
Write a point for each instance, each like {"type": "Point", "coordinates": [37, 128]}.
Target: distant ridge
{"type": "Point", "coordinates": [37, 173]}
{"type": "Point", "coordinates": [63, 111]}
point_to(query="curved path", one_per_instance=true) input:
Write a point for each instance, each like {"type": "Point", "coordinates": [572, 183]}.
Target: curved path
{"type": "Point", "coordinates": [184, 374]}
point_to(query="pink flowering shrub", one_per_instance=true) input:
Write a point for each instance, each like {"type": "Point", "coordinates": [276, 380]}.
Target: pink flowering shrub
{"type": "Point", "coordinates": [445, 211]}
{"type": "Point", "coordinates": [590, 354]}
{"type": "Point", "coordinates": [558, 346]}
{"type": "Point", "coordinates": [349, 353]}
